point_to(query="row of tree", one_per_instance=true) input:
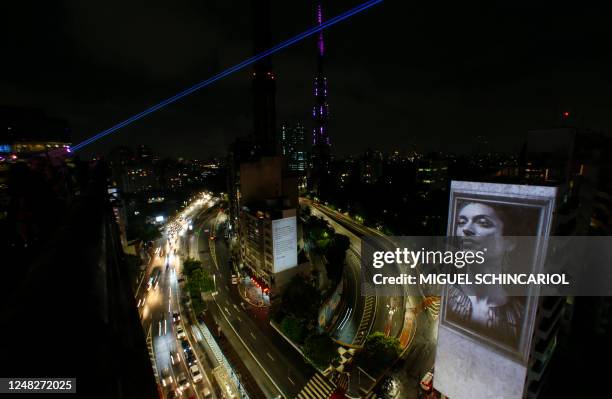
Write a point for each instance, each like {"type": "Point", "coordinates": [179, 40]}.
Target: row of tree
{"type": "Point", "coordinates": [198, 281]}
{"type": "Point", "coordinates": [298, 310]}
{"type": "Point", "coordinates": [323, 240]}
{"type": "Point", "coordinates": [378, 353]}
{"type": "Point", "coordinates": [297, 314]}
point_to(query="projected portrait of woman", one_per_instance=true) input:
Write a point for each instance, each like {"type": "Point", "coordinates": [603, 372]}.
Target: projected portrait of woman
{"type": "Point", "coordinates": [497, 225]}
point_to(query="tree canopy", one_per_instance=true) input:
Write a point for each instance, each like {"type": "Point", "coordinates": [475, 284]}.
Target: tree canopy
{"type": "Point", "coordinates": [190, 265]}
{"type": "Point", "coordinates": [294, 328]}
{"type": "Point", "coordinates": [301, 299]}
{"type": "Point", "coordinates": [379, 351]}
{"type": "Point", "coordinates": [320, 349]}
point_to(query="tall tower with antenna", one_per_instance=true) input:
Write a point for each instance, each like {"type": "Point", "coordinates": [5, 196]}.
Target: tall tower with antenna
{"type": "Point", "coordinates": [321, 143]}
{"type": "Point", "coordinates": [320, 111]}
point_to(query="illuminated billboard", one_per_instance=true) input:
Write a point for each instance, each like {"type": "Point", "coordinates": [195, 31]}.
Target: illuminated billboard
{"type": "Point", "coordinates": [485, 333]}
{"type": "Point", "coordinates": [284, 243]}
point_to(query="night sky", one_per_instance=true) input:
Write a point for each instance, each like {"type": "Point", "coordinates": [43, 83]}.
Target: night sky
{"type": "Point", "coordinates": [401, 74]}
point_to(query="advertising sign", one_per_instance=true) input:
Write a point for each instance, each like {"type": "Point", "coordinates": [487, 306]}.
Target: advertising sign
{"type": "Point", "coordinates": [284, 243]}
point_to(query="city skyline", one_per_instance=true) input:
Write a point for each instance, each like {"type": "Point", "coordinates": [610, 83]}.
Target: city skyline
{"type": "Point", "coordinates": [196, 202]}
{"type": "Point", "coordinates": [479, 84]}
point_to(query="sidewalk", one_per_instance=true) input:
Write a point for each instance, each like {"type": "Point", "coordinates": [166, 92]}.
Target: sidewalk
{"type": "Point", "coordinates": [236, 361]}
{"type": "Point", "coordinates": [252, 294]}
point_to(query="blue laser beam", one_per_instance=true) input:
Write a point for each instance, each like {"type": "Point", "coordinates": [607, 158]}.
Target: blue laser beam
{"type": "Point", "coordinates": [228, 71]}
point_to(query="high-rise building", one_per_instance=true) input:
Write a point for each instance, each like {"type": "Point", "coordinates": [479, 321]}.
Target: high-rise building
{"type": "Point", "coordinates": [320, 114]}
{"type": "Point", "coordinates": [264, 84]}
{"type": "Point", "coordinates": [267, 224]}
{"type": "Point", "coordinates": [262, 191]}
{"type": "Point", "coordinates": [320, 111]}
{"type": "Point", "coordinates": [474, 359]}
{"type": "Point", "coordinates": [293, 146]}
{"type": "Point", "coordinates": [578, 161]}
{"type": "Point", "coordinates": [262, 140]}
{"type": "Point", "coordinates": [268, 244]}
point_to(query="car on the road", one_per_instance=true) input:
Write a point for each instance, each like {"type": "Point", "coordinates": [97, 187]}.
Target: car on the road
{"type": "Point", "coordinates": [176, 317]}
{"type": "Point", "coordinates": [390, 388]}
{"type": "Point", "coordinates": [182, 381]}
{"type": "Point", "coordinates": [206, 392]}
{"type": "Point", "coordinates": [191, 359]}
{"type": "Point", "coordinates": [185, 345]}
{"type": "Point", "coordinates": [180, 332]}
{"type": "Point", "coordinates": [196, 374]}
{"type": "Point", "coordinates": [166, 377]}
{"type": "Point", "coordinates": [427, 381]}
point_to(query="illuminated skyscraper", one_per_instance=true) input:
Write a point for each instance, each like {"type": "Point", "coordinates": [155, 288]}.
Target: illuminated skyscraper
{"type": "Point", "coordinates": [292, 146]}
{"type": "Point", "coordinates": [321, 143]}
{"type": "Point", "coordinates": [320, 111]}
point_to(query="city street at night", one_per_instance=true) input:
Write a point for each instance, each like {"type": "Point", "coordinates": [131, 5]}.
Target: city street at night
{"type": "Point", "coordinates": [310, 199]}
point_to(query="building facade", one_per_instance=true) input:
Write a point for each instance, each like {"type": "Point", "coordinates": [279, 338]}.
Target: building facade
{"type": "Point", "coordinates": [293, 146]}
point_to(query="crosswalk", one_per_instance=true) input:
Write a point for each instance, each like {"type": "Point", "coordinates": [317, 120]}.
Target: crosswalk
{"type": "Point", "coordinates": [366, 321]}
{"type": "Point", "coordinates": [317, 388]}
{"type": "Point", "coordinates": [343, 382]}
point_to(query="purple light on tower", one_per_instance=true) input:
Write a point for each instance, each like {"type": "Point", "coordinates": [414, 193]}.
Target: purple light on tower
{"type": "Point", "coordinates": [320, 111]}
{"type": "Point", "coordinates": [320, 21]}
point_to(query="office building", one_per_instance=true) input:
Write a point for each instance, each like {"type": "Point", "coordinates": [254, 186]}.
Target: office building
{"type": "Point", "coordinates": [293, 146]}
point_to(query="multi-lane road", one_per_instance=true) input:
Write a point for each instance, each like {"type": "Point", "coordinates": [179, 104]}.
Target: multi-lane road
{"type": "Point", "coordinates": [274, 365]}
{"type": "Point", "coordinates": [159, 303]}
{"type": "Point", "coordinates": [278, 368]}
{"type": "Point", "coordinates": [391, 312]}
{"type": "Point", "coordinates": [161, 296]}
{"type": "Point", "coordinates": [363, 313]}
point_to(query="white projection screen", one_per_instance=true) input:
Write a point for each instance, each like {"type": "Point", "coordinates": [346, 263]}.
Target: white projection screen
{"type": "Point", "coordinates": [284, 247]}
